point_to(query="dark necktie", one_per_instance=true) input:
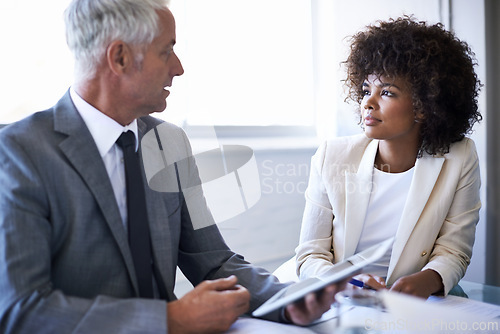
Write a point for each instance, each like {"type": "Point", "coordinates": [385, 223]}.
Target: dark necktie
{"type": "Point", "coordinates": [138, 228]}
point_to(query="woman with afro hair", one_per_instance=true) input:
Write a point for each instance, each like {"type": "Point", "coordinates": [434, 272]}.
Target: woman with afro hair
{"type": "Point", "coordinates": [412, 174]}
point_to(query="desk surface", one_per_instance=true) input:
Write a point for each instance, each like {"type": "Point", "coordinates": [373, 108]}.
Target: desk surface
{"type": "Point", "coordinates": [475, 291]}
{"type": "Point", "coordinates": [479, 313]}
{"type": "Point", "coordinates": [481, 292]}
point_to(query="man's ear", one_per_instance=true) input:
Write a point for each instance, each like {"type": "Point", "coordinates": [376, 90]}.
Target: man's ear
{"type": "Point", "coordinates": [119, 57]}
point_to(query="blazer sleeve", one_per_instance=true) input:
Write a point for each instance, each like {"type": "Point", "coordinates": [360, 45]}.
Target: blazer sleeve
{"type": "Point", "coordinates": [314, 255]}
{"type": "Point", "coordinates": [28, 301]}
{"type": "Point", "coordinates": [453, 247]}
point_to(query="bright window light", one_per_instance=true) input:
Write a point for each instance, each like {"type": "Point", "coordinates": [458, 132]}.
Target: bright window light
{"type": "Point", "coordinates": [247, 62]}
{"type": "Point", "coordinates": [37, 66]}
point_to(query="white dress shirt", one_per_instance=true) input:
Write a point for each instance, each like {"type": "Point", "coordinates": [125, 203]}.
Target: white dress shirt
{"type": "Point", "coordinates": [105, 132]}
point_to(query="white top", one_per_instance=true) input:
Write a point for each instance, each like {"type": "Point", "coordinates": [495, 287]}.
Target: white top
{"type": "Point", "coordinates": [105, 132]}
{"type": "Point", "coordinates": [387, 201]}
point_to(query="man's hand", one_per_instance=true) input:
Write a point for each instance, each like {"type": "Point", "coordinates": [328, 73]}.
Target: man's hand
{"type": "Point", "coordinates": [313, 305]}
{"type": "Point", "coordinates": [210, 307]}
{"type": "Point", "coordinates": [421, 284]}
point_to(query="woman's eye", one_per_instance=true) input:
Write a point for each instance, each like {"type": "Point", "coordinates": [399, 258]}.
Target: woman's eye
{"type": "Point", "coordinates": [387, 93]}
{"type": "Point", "coordinates": [366, 92]}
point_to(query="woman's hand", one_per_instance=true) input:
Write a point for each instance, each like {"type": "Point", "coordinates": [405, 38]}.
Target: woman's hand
{"type": "Point", "coordinates": [371, 281]}
{"type": "Point", "coordinates": [421, 284]}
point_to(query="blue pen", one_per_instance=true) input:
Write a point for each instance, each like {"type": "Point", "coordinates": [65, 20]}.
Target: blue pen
{"type": "Point", "coordinates": [360, 284]}
{"type": "Point", "coordinates": [356, 282]}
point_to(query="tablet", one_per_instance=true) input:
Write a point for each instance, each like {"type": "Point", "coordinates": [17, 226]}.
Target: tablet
{"type": "Point", "coordinates": [342, 270]}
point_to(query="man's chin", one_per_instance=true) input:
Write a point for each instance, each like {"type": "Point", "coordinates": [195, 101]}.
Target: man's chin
{"type": "Point", "coordinates": [159, 108]}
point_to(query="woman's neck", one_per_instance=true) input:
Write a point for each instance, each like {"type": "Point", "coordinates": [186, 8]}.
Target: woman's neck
{"type": "Point", "coordinates": [395, 157]}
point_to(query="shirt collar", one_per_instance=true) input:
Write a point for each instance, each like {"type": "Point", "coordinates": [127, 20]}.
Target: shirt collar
{"type": "Point", "coordinates": [103, 128]}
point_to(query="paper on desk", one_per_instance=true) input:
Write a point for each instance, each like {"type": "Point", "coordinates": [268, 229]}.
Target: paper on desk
{"type": "Point", "coordinates": [444, 315]}
{"type": "Point", "coordinates": [483, 310]}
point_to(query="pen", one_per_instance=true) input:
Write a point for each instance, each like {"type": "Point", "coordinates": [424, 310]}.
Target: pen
{"type": "Point", "coordinates": [360, 284]}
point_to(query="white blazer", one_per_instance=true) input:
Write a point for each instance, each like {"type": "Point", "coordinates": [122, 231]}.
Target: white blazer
{"type": "Point", "coordinates": [438, 224]}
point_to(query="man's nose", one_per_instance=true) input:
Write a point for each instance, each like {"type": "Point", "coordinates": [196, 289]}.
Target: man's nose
{"type": "Point", "coordinates": [179, 70]}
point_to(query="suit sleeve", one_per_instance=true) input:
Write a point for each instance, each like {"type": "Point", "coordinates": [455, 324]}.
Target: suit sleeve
{"type": "Point", "coordinates": [203, 253]}
{"type": "Point", "coordinates": [29, 303]}
{"type": "Point", "coordinates": [453, 247]}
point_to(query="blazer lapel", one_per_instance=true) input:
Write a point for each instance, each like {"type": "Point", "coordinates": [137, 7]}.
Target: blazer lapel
{"type": "Point", "coordinates": [427, 170]}
{"type": "Point", "coordinates": [358, 190]}
{"type": "Point", "coordinates": [83, 154]}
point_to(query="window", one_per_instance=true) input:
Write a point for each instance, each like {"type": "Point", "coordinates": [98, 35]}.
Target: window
{"type": "Point", "coordinates": [247, 62]}
{"type": "Point", "coordinates": [37, 66]}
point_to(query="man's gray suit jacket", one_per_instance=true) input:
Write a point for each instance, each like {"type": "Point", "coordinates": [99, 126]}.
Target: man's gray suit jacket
{"type": "Point", "coordinates": [65, 264]}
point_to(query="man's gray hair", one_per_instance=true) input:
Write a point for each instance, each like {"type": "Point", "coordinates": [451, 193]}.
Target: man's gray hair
{"type": "Point", "coordinates": [91, 25]}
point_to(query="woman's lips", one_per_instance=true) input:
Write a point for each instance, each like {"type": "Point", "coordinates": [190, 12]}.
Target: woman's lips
{"type": "Point", "coordinates": [370, 120]}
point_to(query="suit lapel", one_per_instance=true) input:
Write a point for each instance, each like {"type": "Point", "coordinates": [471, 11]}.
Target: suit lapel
{"type": "Point", "coordinates": [358, 189]}
{"type": "Point", "coordinates": [427, 170]}
{"type": "Point", "coordinates": [83, 154]}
